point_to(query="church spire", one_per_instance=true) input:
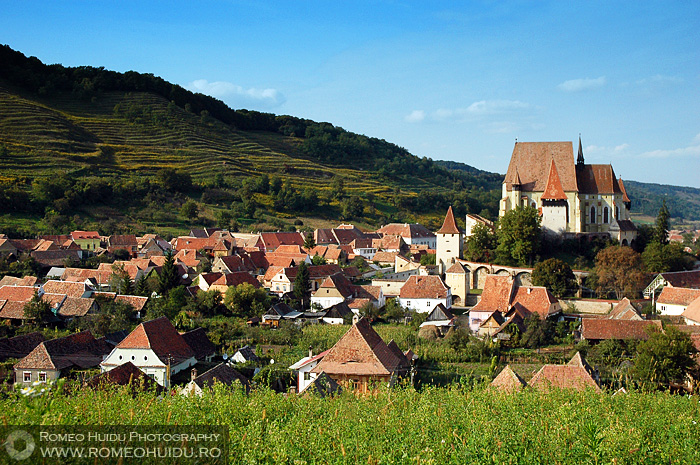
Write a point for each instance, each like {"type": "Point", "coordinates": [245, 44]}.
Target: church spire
{"type": "Point", "coordinates": [579, 159]}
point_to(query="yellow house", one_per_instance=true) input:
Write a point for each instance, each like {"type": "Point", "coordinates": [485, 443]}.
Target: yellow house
{"type": "Point", "coordinates": [87, 240]}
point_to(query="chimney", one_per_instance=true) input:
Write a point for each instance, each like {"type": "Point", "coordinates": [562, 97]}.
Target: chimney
{"type": "Point", "coordinates": [193, 374]}
{"type": "Point", "coordinates": [311, 352]}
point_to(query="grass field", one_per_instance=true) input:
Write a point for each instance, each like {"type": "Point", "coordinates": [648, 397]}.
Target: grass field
{"type": "Point", "coordinates": [434, 426]}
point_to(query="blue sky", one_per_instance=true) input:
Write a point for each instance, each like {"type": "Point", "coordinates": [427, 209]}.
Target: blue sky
{"type": "Point", "coordinates": [446, 80]}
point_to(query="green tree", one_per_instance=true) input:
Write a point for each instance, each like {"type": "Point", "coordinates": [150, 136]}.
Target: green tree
{"type": "Point", "coordinates": [393, 311]}
{"type": "Point", "coordinates": [519, 235]}
{"type": "Point", "coordinates": [168, 278]}
{"type": "Point", "coordinates": [302, 283]}
{"type": "Point", "coordinates": [209, 303]}
{"type": "Point", "coordinates": [556, 275]}
{"type": "Point", "coordinates": [620, 272]}
{"type": "Point", "coordinates": [142, 287]}
{"type": "Point", "coordinates": [659, 258]}
{"type": "Point", "coordinates": [665, 357]}
{"type": "Point", "coordinates": [318, 260]}
{"type": "Point", "coordinates": [480, 244]}
{"type": "Point", "coordinates": [190, 210]}
{"type": "Point", "coordinates": [538, 332]}
{"type": "Point", "coordinates": [38, 310]}
{"type": "Point", "coordinates": [352, 207]}
{"type": "Point", "coordinates": [427, 259]}
{"type": "Point", "coordinates": [309, 241]}
{"type": "Point", "coordinates": [246, 301]}
{"type": "Point", "coordinates": [662, 225]}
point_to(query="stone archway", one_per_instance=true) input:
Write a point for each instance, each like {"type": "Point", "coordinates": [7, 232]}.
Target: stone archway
{"type": "Point", "coordinates": [524, 278]}
{"type": "Point", "coordinates": [480, 277]}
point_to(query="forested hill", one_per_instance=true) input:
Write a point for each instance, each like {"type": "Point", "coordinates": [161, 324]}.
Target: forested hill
{"type": "Point", "coordinates": [683, 202]}
{"type": "Point", "coordinates": [89, 144]}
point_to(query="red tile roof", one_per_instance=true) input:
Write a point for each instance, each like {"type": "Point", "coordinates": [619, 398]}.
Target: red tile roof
{"type": "Point", "coordinates": [275, 239]}
{"type": "Point", "coordinates": [531, 162]}
{"type": "Point", "coordinates": [137, 302]}
{"type": "Point", "coordinates": [508, 381]}
{"type": "Point", "coordinates": [597, 179]}
{"type": "Point", "coordinates": [553, 189]}
{"type": "Point", "coordinates": [78, 349]}
{"type": "Point", "coordinates": [237, 278]}
{"type": "Point", "coordinates": [75, 307]}
{"type": "Point", "coordinates": [69, 288]}
{"type": "Point", "coordinates": [496, 294]}
{"type": "Point", "coordinates": [361, 351]}
{"type": "Point", "coordinates": [624, 310]}
{"type": "Point", "coordinates": [449, 226]}
{"type": "Point", "coordinates": [123, 375]}
{"type": "Point", "coordinates": [85, 235]}
{"type": "Point", "coordinates": [17, 293]}
{"type": "Point", "coordinates": [687, 279]}
{"type": "Point", "coordinates": [563, 377]}
{"type": "Point", "coordinates": [385, 257]}
{"type": "Point", "coordinates": [12, 310]}
{"type": "Point", "coordinates": [692, 312]}
{"type": "Point", "coordinates": [161, 337]}
{"type": "Point", "coordinates": [537, 300]}
{"type": "Point", "coordinates": [676, 296]}
{"type": "Point", "coordinates": [600, 329]}
{"type": "Point", "coordinates": [424, 287]}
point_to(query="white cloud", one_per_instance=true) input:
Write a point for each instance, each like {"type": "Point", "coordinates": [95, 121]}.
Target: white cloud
{"type": "Point", "coordinates": [416, 116]}
{"type": "Point", "coordinates": [621, 148]}
{"type": "Point", "coordinates": [491, 107]}
{"type": "Point", "coordinates": [237, 96]}
{"type": "Point", "coordinates": [692, 150]}
{"type": "Point", "coordinates": [660, 79]}
{"type": "Point", "coordinates": [578, 85]}
{"type": "Point", "coordinates": [697, 138]}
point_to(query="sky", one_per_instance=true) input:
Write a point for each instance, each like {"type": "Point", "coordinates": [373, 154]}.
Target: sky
{"type": "Point", "coordinates": [458, 81]}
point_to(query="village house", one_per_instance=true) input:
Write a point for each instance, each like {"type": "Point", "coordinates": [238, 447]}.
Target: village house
{"type": "Point", "coordinates": [361, 360]}
{"type": "Point", "coordinates": [691, 315]}
{"type": "Point", "coordinates": [156, 348]}
{"type": "Point", "coordinates": [335, 289]}
{"type": "Point", "coordinates": [124, 375]}
{"type": "Point", "coordinates": [472, 220]}
{"type": "Point", "coordinates": [87, 240]}
{"type": "Point", "coordinates": [576, 375]}
{"type": "Point", "coordinates": [245, 354]}
{"type": "Point", "coordinates": [441, 318]}
{"type": "Point", "coordinates": [625, 310]}
{"type": "Point", "coordinates": [680, 279]}
{"type": "Point", "coordinates": [272, 240]}
{"type": "Point", "coordinates": [508, 381]}
{"type": "Point", "coordinates": [222, 373]}
{"type": "Point", "coordinates": [674, 300]}
{"type": "Point", "coordinates": [303, 369]}
{"type": "Point", "coordinates": [424, 293]}
{"type": "Point", "coordinates": [410, 233]}
{"type": "Point", "coordinates": [125, 242]}
{"type": "Point", "coordinates": [19, 346]}
{"type": "Point", "coordinates": [56, 358]}
{"type": "Point", "coordinates": [573, 197]}
{"type": "Point", "coordinates": [229, 280]}
{"type": "Point", "coordinates": [595, 330]}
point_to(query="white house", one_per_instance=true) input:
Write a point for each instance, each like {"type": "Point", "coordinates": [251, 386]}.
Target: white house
{"type": "Point", "coordinates": [424, 293]}
{"type": "Point", "coordinates": [156, 348]}
{"type": "Point", "coordinates": [303, 368]}
{"type": "Point", "coordinates": [674, 300]}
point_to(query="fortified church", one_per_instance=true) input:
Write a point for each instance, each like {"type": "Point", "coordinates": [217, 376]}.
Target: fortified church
{"type": "Point", "coordinates": [574, 198]}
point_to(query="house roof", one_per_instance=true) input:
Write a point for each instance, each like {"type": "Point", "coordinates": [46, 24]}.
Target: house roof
{"type": "Point", "coordinates": [85, 235]}
{"type": "Point", "coordinates": [161, 337]}
{"type": "Point", "coordinates": [563, 377]}
{"type": "Point", "coordinates": [19, 346]}
{"type": "Point", "coordinates": [553, 189]}
{"type": "Point", "coordinates": [597, 179]}
{"type": "Point", "coordinates": [536, 299]}
{"type": "Point", "coordinates": [692, 312]}
{"type": "Point", "coordinates": [210, 278]}
{"type": "Point", "coordinates": [49, 258]}
{"type": "Point", "coordinates": [599, 329]}
{"type": "Point", "coordinates": [12, 310]}
{"type": "Point", "coordinates": [508, 381]}
{"type": "Point", "coordinates": [339, 310]}
{"type": "Point", "coordinates": [531, 162]}
{"type": "Point", "coordinates": [677, 296]}
{"type": "Point", "coordinates": [17, 293]}
{"type": "Point", "coordinates": [221, 373]}
{"type": "Point", "coordinates": [123, 375]}
{"type": "Point", "coordinates": [406, 230]}
{"type": "Point", "coordinates": [624, 310]}
{"type": "Point", "coordinates": [237, 278]}
{"type": "Point", "coordinates": [247, 353]}
{"type": "Point", "coordinates": [13, 281]}
{"type": "Point", "coordinates": [385, 257]}
{"type": "Point", "coordinates": [439, 313]}
{"type": "Point", "coordinates": [279, 309]}
{"type": "Point", "coordinates": [199, 342]}
{"type": "Point", "coordinates": [496, 294]}
{"type": "Point", "coordinates": [82, 274]}
{"type": "Point", "coordinates": [75, 307]}
{"type": "Point", "coordinates": [687, 279]}
{"type": "Point", "coordinates": [424, 287]}
{"type": "Point", "coordinates": [456, 268]}
{"type": "Point", "coordinates": [389, 242]}
{"type": "Point", "coordinates": [361, 351]}
{"type": "Point", "coordinates": [306, 360]}
{"type": "Point", "coordinates": [449, 225]}
{"type": "Point", "coordinates": [69, 288]}
{"type": "Point", "coordinates": [78, 349]}
{"type": "Point", "coordinates": [625, 198]}
{"type": "Point", "coordinates": [122, 240]}
{"type": "Point", "coordinates": [340, 282]}
{"type": "Point", "coordinates": [272, 240]}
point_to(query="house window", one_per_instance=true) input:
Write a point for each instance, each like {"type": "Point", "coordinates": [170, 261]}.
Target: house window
{"type": "Point", "coordinates": [605, 215]}
{"type": "Point", "coordinates": [408, 303]}
{"type": "Point", "coordinates": [307, 376]}
{"type": "Point", "coordinates": [42, 376]}
{"type": "Point", "coordinates": [427, 304]}
{"type": "Point", "coordinates": [27, 377]}
{"type": "Point", "coordinates": [593, 215]}
{"type": "Point", "coordinates": [617, 213]}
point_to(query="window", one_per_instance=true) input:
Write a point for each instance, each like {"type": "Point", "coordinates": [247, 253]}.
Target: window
{"type": "Point", "coordinates": [145, 357]}
{"type": "Point", "coordinates": [605, 215]}
{"type": "Point", "coordinates": [27, 377]}
{"type": "Point", "coordinates": [307, 376]}
{"type": "Point", "coordinates": [408, 303]}
{"type": "Point", "coordinates": [617, 212]}
{"type": "Point", "coordinates": [133, 357]}
{"type": "Point", "coordinates": [593, 215]}
{"type": "Point", "coordinates": [427, 304]}
{"type": "Point", "coordinates": [42, 377]}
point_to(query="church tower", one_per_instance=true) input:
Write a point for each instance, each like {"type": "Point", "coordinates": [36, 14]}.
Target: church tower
{"type": "Point", "coordinates": [449, 243]}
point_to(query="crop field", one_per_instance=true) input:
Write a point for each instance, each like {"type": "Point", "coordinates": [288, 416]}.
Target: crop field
{"type": "Point", "coordinates": [401, 425]}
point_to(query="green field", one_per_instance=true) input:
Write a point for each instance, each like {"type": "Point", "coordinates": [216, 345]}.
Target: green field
{"type": "Point", "coordinates": [434, 426]}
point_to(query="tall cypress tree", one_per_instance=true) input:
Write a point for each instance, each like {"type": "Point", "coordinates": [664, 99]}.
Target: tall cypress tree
{"type": "Point", "coordinates": [302, 282]}
{"type": "Point", "coordinates": [168, 277]}
{"type": "Point", "coordinates": [662, 225]}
